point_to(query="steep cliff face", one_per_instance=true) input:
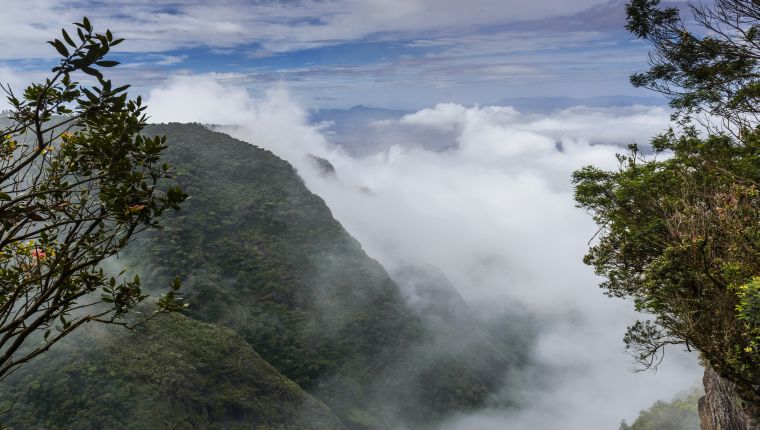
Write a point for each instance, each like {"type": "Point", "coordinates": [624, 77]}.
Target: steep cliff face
{"type": "Point", "coordinates": [261, 254]}
{"type": "Point", "coordinates": [721, 408]}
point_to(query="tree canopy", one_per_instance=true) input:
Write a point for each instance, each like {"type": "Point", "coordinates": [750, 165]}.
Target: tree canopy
{"type": "Point", "coordinates": [681, 237]}
{"type": "Point", "coordinates": [680, 228]}
{"type": "Point", "coordinates": [77, 181]}
{"type": "Point", "coordinates": [706, 63]}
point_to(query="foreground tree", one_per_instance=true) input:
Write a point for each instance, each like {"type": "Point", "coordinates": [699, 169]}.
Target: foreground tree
{"type": "Point", "coordinates": [680, 229]}
{"type": "Point", "coordinates": [77, 181]}
{"type": "Point", "coordinates": [681, 237]}
{"type": "Point", "coordinates": [709, 74]}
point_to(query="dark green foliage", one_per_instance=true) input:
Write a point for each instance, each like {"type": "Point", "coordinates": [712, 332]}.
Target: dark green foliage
{"type": "Point", "coordinates": [264, 256]}
{"type": "Point", "coordinates": [680, 235]}
{"type": "Point", "coordinates": [678, 414]}
{"type": "Point", "coordinates": [711, 68]}
{"type": "Point", "coordinates": [73, 191]}
{"type": "Point", "coordinates": [680, 232]}
{"type": "Point", "coordinates": [171, 373]}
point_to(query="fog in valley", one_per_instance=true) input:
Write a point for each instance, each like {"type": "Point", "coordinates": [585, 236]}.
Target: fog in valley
{"type": "Point", "coordinates": [483, 195]}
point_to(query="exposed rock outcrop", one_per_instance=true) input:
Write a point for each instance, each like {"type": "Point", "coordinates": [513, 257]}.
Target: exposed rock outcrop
{"type": "Point", "coordinates": [721, 408]}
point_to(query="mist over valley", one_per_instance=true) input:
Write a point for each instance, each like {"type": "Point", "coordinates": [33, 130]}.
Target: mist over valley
{"type": "Point", "coordinates": [380, 215]}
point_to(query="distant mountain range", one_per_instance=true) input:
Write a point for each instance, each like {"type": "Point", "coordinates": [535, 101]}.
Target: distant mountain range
{"type": "Point", "coordinates": [355, 129]}
{"type": "Point", "coordinates": [548, 104]}
{"type": "Point", "coordinates": [362, 113]}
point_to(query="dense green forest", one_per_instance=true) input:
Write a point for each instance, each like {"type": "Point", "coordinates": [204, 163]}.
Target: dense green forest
{"type": "Point", "coordinates": [172, 373]}
{"type": "Point", "coordinates": [263, 261]}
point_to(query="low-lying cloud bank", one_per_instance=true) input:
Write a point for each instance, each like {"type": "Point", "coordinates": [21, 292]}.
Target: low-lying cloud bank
{"type": "Point", "coordinates": [492, 207]}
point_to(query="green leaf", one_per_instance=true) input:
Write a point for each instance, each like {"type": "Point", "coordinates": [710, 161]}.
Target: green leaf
{"type": "Point", "coordinates": [107, 63]}
{"type": "Point", "coordinates": [60, 47]}
{"type": "Point", "coordinates": [93, 98]}
{"type": "Point", "coordinates": [68, 38]}
{"type": "Point", "coordinates": [92, 72]}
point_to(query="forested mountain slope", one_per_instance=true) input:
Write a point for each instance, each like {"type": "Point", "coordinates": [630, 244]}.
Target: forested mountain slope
{"type": "Point", "coordinates": [260, 254]}
{"type": "Point", "coordinates": [171, 373]}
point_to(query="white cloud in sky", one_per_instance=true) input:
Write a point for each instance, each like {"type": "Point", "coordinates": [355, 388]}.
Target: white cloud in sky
{"type": "Point", "coordinates": [279, 26]}
{"type": "Point", "coordinates": [494, 212]}
{"type": "Point", "coordinates": [427, 51]}
{"type": "Point", "coordinates": [611, 125]}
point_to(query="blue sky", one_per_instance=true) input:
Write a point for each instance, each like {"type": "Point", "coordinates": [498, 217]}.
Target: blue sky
{"type": "Point", "coordinates": [338, 53]}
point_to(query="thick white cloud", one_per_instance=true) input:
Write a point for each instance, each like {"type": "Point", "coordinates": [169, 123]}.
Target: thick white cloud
{"type": "Point", "coordinates": [495, 212]}
{"type": "Point", "coordinates": [611, 125]}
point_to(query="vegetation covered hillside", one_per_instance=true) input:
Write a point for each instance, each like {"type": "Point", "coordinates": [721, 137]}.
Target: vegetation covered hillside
{"type": "Point", "coordinates": [172, 373]}
{"type": "Point", "coordinates": [261, 254]}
